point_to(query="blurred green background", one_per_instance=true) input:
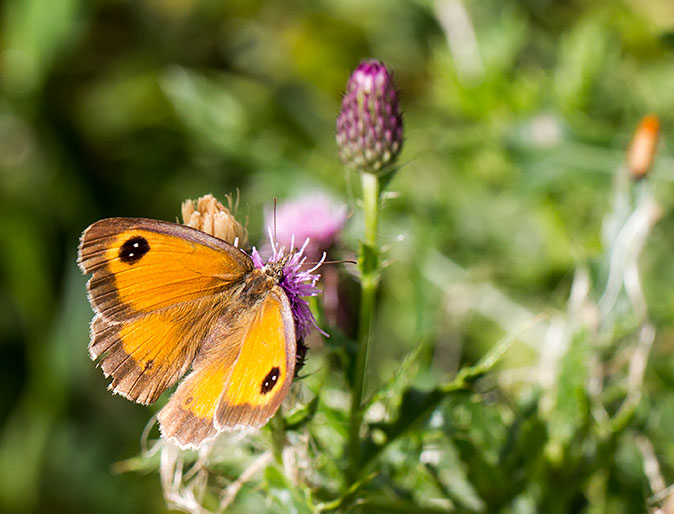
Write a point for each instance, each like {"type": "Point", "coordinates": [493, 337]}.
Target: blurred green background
{"type": "Point", "coordinates": [517, 117]}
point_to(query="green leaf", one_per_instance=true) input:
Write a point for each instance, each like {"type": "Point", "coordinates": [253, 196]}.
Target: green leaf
{"type": "Point", "coordinates": [288, 497]}
{"type": "Point", "coordinates": [417, 406]}
{"type": "Point", "coordinates": [401, 379]}
{"type": "Point", "coordinates": [302, 415]}
{"type": "Point", "coordinates": [344, 349]}
{"type": "Point", "coordinates": [582, 51]}
{"type": "Point", "coordinates": [208, 108]}
{"type": "Point", "coordinates": [368, 259]}
{"type": "Point", "coordinates": [398, 507]}
{"type": "Point", "coordinates": [35, 33]}
{"type": "Point", "coordinates": [571, 409]}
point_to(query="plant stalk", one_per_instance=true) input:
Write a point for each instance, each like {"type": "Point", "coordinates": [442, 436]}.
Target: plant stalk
{"type": "Point", "coordinates": [368, 263]}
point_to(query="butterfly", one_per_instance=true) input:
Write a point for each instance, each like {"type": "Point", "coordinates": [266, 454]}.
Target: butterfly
{"type": "Point", "coordinates": [169, 299]}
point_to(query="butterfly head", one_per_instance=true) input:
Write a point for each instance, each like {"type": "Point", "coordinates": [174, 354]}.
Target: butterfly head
{"type": "Point", "coordinates": [288, 269]}
{"type": "Point", "coordinates": [274, 270]}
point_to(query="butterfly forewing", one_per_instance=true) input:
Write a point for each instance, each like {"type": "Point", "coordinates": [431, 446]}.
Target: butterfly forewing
{"type": "Point", "coordinates": [156, 289]}
{"type": "Point", "coordinates": [140, 266]}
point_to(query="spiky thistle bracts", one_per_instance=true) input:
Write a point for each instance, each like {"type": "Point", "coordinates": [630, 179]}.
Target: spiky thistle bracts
{"type": "Point", "coordinates": [370, 126]}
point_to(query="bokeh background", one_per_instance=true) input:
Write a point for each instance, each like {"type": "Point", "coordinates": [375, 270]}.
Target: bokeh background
{"type": "Point", "coordinates": [517, 116]}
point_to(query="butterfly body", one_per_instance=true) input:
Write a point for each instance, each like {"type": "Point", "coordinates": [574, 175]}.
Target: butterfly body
{"type": "Point", "coordinates": [169, 299]}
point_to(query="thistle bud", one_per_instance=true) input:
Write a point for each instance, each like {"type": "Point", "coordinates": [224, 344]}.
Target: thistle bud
{"type": "Point", "coordinates": [210, 216]}
{"type": "Point", "coordinates": [369, 125]}
{"type": "Point", "coordinates": [641, 151]}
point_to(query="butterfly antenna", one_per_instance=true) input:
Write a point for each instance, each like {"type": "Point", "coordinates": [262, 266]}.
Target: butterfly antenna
{"type": "Point", "coordinates": [275, 240]}
{"type": "Point", "coordinates": [318, 264]}
{"type": "Point", "coordinates": [343, 261]}
{"type": "Point", "coordinates": [321, 262]}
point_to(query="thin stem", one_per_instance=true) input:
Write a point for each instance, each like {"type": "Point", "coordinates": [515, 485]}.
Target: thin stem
{"type": "Point", "coordinates": [278, 437]}
{"type": "Point", "coordinates": [370, 183]}
{"type": "Point", "coordinates": [369, 267]}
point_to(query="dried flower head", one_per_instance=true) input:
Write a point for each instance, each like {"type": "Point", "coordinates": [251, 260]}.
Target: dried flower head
{"type": "Point", "coordinates": [369, 125]}
{"type": "Point", "coordinates": [297, 282]}
{"type": "Point", "coordinates": [316, 217]}
{"type": "Point", "coordinates": [209, 215]}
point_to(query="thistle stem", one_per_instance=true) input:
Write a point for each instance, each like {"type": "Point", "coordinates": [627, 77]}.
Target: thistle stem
{"type": "Point", "coordinates": [368, 263]}
{"type": "Point", "coordinates": [370, 183]}
{"type": "Point", "coordinates": [278, 437]}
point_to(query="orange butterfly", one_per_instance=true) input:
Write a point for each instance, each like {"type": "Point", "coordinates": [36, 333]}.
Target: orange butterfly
{"type": "Point", "coordinates": [168, 297]}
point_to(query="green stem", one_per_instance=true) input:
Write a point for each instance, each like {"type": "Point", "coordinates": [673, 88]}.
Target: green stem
{"type": "Point", "coordinates": [370, 183]}
{"type": "Point", "coordinates": [278, 437]}
{"type": "Point", "coordinates": [369, 267]}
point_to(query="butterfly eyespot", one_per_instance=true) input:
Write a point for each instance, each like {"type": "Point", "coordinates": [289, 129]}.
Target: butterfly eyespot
{"type": "Point", "coordinates": [270, 380]}
{"type": "Point", "coordinates": [133, 250]}
{"type": "Point", "coordinates": [149, 364]}
{"type": "Point", "coordinates": [189, 400]}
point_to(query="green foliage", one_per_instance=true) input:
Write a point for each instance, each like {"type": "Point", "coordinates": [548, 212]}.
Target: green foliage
{"type": "Point", "coordinates": [510, 199]}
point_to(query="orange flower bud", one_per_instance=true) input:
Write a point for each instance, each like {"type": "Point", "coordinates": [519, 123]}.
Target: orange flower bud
{"type": "Point", "coordinates": [642, 149]}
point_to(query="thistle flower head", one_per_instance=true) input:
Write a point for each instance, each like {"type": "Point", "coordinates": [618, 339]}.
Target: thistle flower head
{"type": "Point", "coordinates": [296, 281]}
{"type": "Point", "coordinates": [316, 217]}
{"type": "Point", "coordinates": [369, 125]}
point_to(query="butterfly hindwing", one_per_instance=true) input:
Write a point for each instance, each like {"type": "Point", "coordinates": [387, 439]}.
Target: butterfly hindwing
{"type": "Point", "coordinates": [264, 369]}
{"type": "Point", "coordinates": [187, 418]}
{"type": "Point", "coordinates": [241, 377]}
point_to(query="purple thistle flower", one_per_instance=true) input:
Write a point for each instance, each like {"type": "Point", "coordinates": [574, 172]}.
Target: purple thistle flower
{"type": "Point", "coordinates": [369, 125]}
{"type": "Point", "coordinates": [315, 217]}
{"type": "Point", "coordinates": [295, 281]}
